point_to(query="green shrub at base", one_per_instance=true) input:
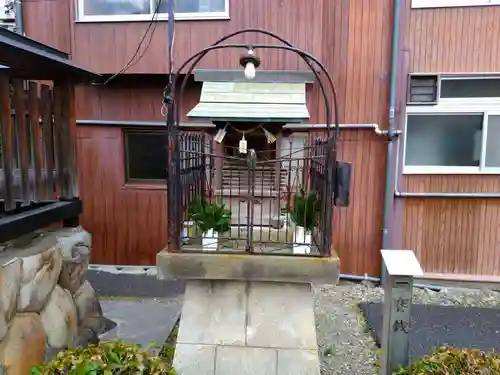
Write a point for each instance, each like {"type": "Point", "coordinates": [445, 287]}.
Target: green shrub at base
{"type": "Point", "coordinates": [449, 361]}
{"type": "Point", "coordinates": [106, 358]}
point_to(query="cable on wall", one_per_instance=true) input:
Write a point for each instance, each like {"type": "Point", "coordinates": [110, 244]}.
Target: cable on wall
{"type": "Point", "coordinates": [149, 31]}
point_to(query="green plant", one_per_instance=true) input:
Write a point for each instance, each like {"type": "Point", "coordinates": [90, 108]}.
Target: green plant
{"type": "Point", "coordinates": [304, 209]}
{"type": "Point", "coordinates": [209, 215]}
{"type": "Point", "coordinates": [106, 358]}
{"type": "Point", "coordinates": [450, 361]}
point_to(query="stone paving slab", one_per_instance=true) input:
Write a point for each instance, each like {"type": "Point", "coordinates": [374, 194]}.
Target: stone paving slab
{"type": "Point", "coordinates": [281, 315]}
{"type": "Point", "coordinates": [193, 359]}
{"type": "Point", "coordinates": [141, 321]}
{"type": "Point", "coordinates": [214, 313]}
{"type": "Point", "coordinates": [247, 328]}
{"type": "Point", "coordinates": [241, 360]}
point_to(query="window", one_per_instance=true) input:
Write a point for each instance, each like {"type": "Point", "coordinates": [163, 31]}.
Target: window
{"type": "Point", "coordinates": [458, 135]}
{"type": "Point", "coordinates": [143, 10]}
{"type": "Point", "coordinates": [451, 3]}
{"type": "Point", "coordinates": [145, 156]}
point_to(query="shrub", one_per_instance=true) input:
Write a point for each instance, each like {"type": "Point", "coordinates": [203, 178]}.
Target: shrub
{"type": "Point", "coordinates": [450, 361]}
{"type": "Point", "coordinates": [305, 209]}
{"type": "Point", "coordinates": [106, 358]}
{"type": "Point", "coordinates": [209, 215]}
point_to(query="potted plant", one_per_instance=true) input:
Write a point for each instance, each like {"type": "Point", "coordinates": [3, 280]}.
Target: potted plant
{"type": "Point", "coordinates": [211, 218]}
{"type": "Point", "coordinates": [304, 213]}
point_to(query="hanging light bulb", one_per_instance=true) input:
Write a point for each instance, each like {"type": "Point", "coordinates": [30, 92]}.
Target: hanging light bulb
{"type": "Point", "coordinates": [250, 70]}
{"type": "Point", "coordinates": [250, 62]}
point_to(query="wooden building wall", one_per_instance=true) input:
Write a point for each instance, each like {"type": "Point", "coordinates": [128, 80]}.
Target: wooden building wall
{"type": "Point", "coordinates": [352, 39]}
{"type": "Point", "coordinates": [454, 235]}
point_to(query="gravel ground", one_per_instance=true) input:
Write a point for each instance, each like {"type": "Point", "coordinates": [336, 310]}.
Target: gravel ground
{"type": "Point", "coordinates": [345, 344]}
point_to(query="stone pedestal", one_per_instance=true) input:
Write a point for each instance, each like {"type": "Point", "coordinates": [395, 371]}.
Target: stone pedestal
{"type": "Point", "coordinates": [263, 328]}
{"type": "Point", "coordinates": [253, 313]}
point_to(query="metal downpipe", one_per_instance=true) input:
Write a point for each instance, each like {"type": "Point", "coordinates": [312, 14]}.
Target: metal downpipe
{"type": "Point", "coordinates": [18, 13]}
{"type": "Point", "coordinates": [392, 131]}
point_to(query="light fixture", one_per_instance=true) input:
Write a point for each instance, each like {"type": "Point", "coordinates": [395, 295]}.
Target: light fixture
{"type": "Point", "coordinates": [250, 62]}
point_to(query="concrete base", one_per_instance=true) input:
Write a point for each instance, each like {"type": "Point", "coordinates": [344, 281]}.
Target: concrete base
{"type": "Point", "coordinates": [247, 328]}
{"type": "Point", "coordinates": [244, 267]}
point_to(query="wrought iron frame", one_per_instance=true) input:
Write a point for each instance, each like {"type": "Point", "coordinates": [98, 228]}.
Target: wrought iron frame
{"type": "Point", "coordinates": [173, 98]}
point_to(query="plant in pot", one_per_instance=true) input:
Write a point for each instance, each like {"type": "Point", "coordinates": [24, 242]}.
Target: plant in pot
{"type": "Point", "coordinates": [304, 214]}
{"type": "Point", "coordinates": [211, 218]}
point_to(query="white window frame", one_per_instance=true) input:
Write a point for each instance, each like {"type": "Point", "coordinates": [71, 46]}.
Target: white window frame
{"type": "Point", "coordinates": [452, 3]}
{"type": "Point", "coordinates": [478, 107]}
{"type": "Point", "coordinates": [80, 17]}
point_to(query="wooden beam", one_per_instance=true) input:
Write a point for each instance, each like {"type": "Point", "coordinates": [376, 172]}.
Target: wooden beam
{"type": "Point", "coordinates": [48, 139]}
{"type": "Point", "coordinates": [36, 136]}
{"type": "Point", "coordinates": [7, 141]}
{"type": "Point", "coordinates": [59, 135]}
{"type": "Point", "coordinates": [23, 140]}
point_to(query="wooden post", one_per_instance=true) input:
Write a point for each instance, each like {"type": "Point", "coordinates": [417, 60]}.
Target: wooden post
{"type": "Point", "coordinates": [401, 267]}
{"type": "Point", "coordinates": [7, 141]}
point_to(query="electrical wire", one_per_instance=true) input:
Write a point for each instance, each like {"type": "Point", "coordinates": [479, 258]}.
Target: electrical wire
{"type": "Point", "coordinates": [151, 27]}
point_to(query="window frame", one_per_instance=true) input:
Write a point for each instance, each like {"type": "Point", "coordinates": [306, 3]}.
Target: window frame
{"type": "Point", "coordinates": [452, 109]}
{"type": "Point", "coordinates": [425, 4]}
{"type": "Point", "coordinates": [127, 180]}
{"type": "Point", "coordinates": [81, 17]}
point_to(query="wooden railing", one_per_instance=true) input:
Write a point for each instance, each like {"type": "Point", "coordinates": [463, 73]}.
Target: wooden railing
{"type": "Point", "coordinates": [37, 142]}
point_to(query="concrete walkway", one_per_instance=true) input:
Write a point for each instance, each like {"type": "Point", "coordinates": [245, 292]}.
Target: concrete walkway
{"type": "Point", "coordinates": [262, 328]}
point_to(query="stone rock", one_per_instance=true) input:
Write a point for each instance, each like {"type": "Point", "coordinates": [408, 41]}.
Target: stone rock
{"type": "Point", "coordinates": [68, 239]}
{"type": "Point", "coordinates": [24, 345]}
{"type": "Point", "coordinates": [74, 268]}
{"type": "Point", "coordinates": [59, 319]}
{"type": "Point", "coordinates": [38, 277]}
{"type": "Point", "coordinates": [10, 279]}
{"type": "Point", "coordinates": [88, 308]}
{"type": "Point", "coordinates": [86, 337]}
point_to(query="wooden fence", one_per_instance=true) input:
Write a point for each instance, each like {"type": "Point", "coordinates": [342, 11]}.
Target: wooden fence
{"type": "Point", "coordinates": [37, 142]}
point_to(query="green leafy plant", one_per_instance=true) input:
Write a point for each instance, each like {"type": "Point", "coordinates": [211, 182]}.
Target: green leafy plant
{"type": "Point", "coordinates": [450, 361]}
{"type": "Point", "coordinates": [305, 209]}
{"type": "Point", "coordinates": [209, 215]}
{"type": "Point", "coordinates": [106, 358]}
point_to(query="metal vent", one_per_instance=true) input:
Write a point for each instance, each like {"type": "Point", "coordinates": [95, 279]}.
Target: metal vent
{"type": "Point", "coordinates": [423, 89]}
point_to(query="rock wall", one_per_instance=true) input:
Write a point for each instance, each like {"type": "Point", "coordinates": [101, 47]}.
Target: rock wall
{"type": "Point", "coordinates": [46, 303]}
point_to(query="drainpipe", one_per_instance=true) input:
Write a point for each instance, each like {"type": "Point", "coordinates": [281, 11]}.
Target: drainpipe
{"type": "Point", "coordinates": [18, 14]}
{"type": "Point", "coordinates": [392, 132]}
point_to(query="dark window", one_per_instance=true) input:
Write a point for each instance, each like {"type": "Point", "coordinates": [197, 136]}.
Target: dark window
{"type": "Point", "coordinates": [145, 155]}
{"type": "Point", "coordinates": [470, 88]}
{"type": "Point", "coordinates": [451, 140]}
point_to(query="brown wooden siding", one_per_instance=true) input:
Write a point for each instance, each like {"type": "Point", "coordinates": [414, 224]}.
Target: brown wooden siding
{"type": "Point", "coordinates": [134, 102]}
{"type": "Point", "coordinates": [452, 184]}
{"type": "Point", "coordinates": [49, 22]}
{"type": "Point", "coordinates": [295, 20]}
{"type": "Point", "coordinates": [358, 228]}
{"type": "Point", "coordinates": [454, 235]}
{"type": "Point", "coordinates": [454, 39]}
{"type": "Point", "coordinates": [128, 225]}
